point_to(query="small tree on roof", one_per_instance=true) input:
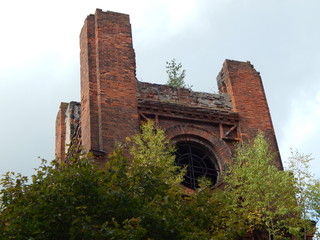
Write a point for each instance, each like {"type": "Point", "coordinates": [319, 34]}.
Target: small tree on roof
{"type": "Point", "coordinates": [176, 74]}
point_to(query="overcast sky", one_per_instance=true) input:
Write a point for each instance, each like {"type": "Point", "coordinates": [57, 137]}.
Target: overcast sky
{"type": "Point", "coordinates": [39, 62]}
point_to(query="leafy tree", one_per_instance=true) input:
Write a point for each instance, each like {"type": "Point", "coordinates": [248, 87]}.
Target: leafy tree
{"type": "Point", "coordinates": [307, 189]}
{"type": "Point", "coordinates": [176, 74]}
{"type": "Point", "coordinates": [140, 196]}
{"type": "Point", "coordinates": [132, 198]}
{"type": "Point", "coordinates": [261, 197]}
{"type": "Point", "coordinates": [315, 204]}
{"type": "Point", "coordinates": [315, 199]}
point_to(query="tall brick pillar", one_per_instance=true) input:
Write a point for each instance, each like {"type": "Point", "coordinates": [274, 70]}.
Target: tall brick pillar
{"type": "Point", "coordinates": [108, 82]}
{"type": "Point", "coordinates": [88, 73]}
{"type": "Point", "coordinates": [61, 132]}
{"type": "Point", "coordinates": [244, 85]}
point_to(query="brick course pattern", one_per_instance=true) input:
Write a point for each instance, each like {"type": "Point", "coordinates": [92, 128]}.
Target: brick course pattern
{"type": "Point", "coordinates": [114, 103]}
{"type": "Point", "coordinates": [245, 87]}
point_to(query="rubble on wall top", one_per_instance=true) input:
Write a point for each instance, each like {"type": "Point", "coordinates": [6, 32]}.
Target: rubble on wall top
{"type": "Point", "coordinates": [165, 93]}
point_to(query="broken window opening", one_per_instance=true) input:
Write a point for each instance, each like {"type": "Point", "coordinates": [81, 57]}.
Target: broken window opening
{"type": "Point", "coordinates": [199, 162]}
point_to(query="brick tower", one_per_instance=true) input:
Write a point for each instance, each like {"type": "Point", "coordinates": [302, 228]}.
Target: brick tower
{"type": "Point", "coordinates": [203, 126]}
{"type": "Point", "coordinates": [108, 82]}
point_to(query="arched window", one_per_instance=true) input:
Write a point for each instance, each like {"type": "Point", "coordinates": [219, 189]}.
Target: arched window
{"type": "Point", "coordinates": [199, 161]}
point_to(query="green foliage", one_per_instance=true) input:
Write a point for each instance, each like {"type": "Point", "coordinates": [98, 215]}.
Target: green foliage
{"type": "Point", "coordinates": [153, 156]}
{"type": "Point", "coordinates": [315, 198]}
{"type": "Point", "coordinates": [307, 189]}
{"type": "Point", "coordinates": [140, 196]}
{"type": "Point", "coordinates": [176, 74]}
{"type": "Point", "coordinates": [299, 166]}
{"type": "Point", "coordinates": [261, 197]}
{"type": "Point", "coordinates": [132, 198]}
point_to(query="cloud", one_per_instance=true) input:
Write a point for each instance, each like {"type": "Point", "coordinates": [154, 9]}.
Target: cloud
{"type": "Point", "coordinates": [302, 130]}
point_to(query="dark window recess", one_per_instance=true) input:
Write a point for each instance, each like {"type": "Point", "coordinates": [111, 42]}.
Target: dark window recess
{"type": "Point", "coordinates": [199, 162]}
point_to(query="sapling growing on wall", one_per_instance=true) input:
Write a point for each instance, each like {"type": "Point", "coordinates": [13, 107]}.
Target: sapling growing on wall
{"type": "Point", "coordinates": [176, 74]}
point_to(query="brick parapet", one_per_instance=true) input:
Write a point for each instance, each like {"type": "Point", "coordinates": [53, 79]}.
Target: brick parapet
{"type": "Point", "coordinates": [165, 93]}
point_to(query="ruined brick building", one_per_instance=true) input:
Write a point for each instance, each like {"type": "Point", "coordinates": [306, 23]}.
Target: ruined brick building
{"type": "Point", "coordinates": [114, 103]}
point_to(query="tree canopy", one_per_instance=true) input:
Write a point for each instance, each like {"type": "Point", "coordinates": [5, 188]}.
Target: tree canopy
{"type": "Point", "coordinates": [131, 198]}
{"type": "Point", "coordinates": [263, 197]}
{"type": "Point", "coordinates": [140, 196]}
{"type": "Point", "coordinates": [307, 189]}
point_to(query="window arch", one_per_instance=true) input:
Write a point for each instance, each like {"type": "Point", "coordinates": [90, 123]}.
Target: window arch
{"type": "Point", "coordinates": [199, 162]}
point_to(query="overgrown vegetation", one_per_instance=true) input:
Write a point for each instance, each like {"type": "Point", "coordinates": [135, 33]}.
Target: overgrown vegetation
{"type": "Point", "coordinates": [262, 197]}
{"type": "Point", "coordinates": [307, 189]}
{"type": "Point", "coordinates": [176, 75]}
{"type": "Point", "coordinates": [142, 197]}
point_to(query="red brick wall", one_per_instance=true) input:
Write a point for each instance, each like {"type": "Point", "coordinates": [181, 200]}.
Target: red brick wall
{"type": "Point", "coordinates": [108, 82]}
{"type": "Point", "coordinates": [244, 85]}
{"type": "Point", "coordinates": [109, 93]}
{"type": "Point", "coordinates": [61, 132]}
{"type": "Point", "coordinates": [204, 134]}
{"type": "Point", "coordinates": [89, 106]}
{"type": "Point", "coordinates": [165, 93]}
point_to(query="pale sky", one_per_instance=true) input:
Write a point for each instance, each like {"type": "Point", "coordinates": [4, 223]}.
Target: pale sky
{"type": "Point", "coordinates": [39, 62]}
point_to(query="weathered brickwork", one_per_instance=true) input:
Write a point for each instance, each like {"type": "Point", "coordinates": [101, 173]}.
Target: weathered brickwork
{"type": "Point", "coordinates": [108, 86]}
{"type": "Point", "coordinates": [245, 87]}
{"type": "Point", "coordinates": [67, 126]}
{"type": "Point", "coordinates": [114, 103]}
{"type": "Point", "coordinates": [164, 93]}
{"type": "Point", "coordinates": [61, 131]}
{"type": "Point", "coordinates": [89, 95]}
{"type": "Point", "coordinates": [72, 120]}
